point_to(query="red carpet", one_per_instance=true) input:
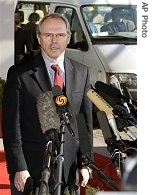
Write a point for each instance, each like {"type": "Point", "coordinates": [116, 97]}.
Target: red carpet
{"type": "Point", "coordinates": [4, 181]}
{"type": "Point", "coordinates": [103, 163]}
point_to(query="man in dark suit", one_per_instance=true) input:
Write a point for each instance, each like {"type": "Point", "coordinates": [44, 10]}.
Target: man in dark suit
{"type": "Point", "coordinates": [24, 141]}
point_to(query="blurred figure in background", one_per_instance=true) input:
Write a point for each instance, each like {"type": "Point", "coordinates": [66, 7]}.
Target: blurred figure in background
{"type": "Point", "coordinates": [97, 20]}
{"type": "Point", "coordinates": [23, 45]}
{"type": "Point", "coordinates": [118, 24]}
{"type": "Point", "coordinates": [32, 26]}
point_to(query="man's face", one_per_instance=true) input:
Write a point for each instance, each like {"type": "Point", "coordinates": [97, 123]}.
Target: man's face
{"type": "Point", "coordinates": [116, 17]}
{"type": "Point", "coordinates": [50, 37]}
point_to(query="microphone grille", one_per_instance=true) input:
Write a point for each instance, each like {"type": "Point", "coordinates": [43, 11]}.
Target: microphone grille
{"type": "Point", "coordinates": [48, 116]}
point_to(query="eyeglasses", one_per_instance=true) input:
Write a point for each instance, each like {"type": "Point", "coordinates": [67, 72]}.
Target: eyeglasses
{"type": "Point", "coordinates": [50, 36]}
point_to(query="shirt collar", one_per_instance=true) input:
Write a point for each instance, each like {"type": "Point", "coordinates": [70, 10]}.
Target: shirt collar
{"type": "Point", "coordinates": [59, 61]}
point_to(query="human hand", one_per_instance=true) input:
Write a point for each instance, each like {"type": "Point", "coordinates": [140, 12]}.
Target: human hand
{"type": "Point", "coordinates": [20, 179]}
{"type": "Point", "coordinates": [82, 177]}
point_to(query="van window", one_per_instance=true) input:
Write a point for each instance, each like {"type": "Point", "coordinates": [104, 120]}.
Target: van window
{"type": "Point", "coordinates": [27, 8]}
{"type": "Point", "coordinates": [110, 21]}
{"type": "Point", "coordinates": [78, 39]}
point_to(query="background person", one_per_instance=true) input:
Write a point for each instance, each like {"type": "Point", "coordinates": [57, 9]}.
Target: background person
{"type": "Point", "coordinates": [24, 141]}
{"type": "Point", "coordinates": [23, 45]}
{"type": "Point", "coordinates": [32, 26]}
{"type": "Point", "coordinates": [118, 24]}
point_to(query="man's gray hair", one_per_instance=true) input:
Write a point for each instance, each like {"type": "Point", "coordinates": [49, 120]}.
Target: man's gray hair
{"type": "Point", "coordinates": [54, 15]}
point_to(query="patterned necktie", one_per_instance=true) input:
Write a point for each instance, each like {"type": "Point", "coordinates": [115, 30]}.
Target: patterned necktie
{"type": "Point", "coordinates": [57, 76]}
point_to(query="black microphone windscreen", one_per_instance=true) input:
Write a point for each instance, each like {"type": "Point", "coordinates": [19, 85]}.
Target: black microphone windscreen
{"type": "Point", "coordinates": [85, 145]}
{"type": "Point", "coordinates": [109, 90]}
{"type": "Point", "coordinates": [48, 116]}
{"type": "Point", "coordinates": [29, 186]}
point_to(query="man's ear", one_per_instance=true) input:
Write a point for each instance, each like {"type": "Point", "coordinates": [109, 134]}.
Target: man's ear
{"type": "Point", "coordinates": [69, 37]}
{"type": "Point", "coordinates": [38, 37]}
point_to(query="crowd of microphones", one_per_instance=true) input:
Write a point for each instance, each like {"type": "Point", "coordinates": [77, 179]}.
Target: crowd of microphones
{"type": "Point", "coordinates": [114, 118]}
{"type": "Point", "coordinates": [54, 115]}
{"type": "Point", "coordinates": [117, 113]}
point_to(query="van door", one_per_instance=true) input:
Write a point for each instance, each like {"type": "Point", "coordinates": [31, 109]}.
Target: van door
{"type": "Point", "coordinates": [80, 47]}
{"type": "Point", "coordinates": [78, 38]}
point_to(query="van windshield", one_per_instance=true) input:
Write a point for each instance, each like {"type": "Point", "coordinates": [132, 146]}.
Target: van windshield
{"type": "Point", "coordinates": [110, 21]}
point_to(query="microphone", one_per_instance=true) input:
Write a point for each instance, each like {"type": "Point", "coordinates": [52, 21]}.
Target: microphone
{"type": "Point", "coordinates": [116, 147]}
{"type": "Point", "coordinates": [102, 105]}
{"type": "Point", "coordinates": [85, 149]}
{"type": "Point", "coordinates": [104, 125]}
{"type": "Point", "coordinates": [61, 101]}
{"type": "Point", "coordinates": [48, 116]}
{"type": "Point", "coordinates": [110, 90]}
{"type": "Point", "coordinates": [50, 125]}
{"type": "Point", "coordinates": [62, 107]}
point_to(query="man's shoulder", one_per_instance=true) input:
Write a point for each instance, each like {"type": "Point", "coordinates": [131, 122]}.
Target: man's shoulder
{"type": "Point", "coordinates": [128, 21]}
{"type": "Point", "coordinates": [75, 63]}
{"type": "Point", "coordinates": [24, 66]}
{"type": "Point", "coordinates": [18, 69]}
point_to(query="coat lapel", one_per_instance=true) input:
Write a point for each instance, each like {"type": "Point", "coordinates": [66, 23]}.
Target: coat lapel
{"type": "Point", "coordinates": [69, 76]}
{"type": "Point", "coordinates": [40, 74]}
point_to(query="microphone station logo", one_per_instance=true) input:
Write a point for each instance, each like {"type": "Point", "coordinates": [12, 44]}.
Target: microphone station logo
{"type": "Point", "coordinates": [61, 100]}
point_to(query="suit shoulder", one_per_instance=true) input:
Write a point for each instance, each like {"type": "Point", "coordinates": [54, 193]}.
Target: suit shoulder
{"type": "Point", "coordinates": [21, 68]}
{"type": "Point", "coordinates": [18, 69]}
{"type": "Point", "coordinates": [77, 64]}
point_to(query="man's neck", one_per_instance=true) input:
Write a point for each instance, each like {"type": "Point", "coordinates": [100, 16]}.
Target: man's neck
{"type": "Point", "coordinates": [57, 60]}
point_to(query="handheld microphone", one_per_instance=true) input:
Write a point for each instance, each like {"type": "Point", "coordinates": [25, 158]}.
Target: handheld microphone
{"type": "Point", "coordinates": [62, 107]}
{"type": "Point", "coordinates": [61, 102]}
{"type": "Point", "coordinates": [48, 116]}
{"type": "Point", "coordinates": [49, 119]}
{"type": "Point", "coordinates": [119, 144]}
{"type": "Point", "coordinates": [102, 105]}
{"type": "Point", "coordinates": [104, 125]}
{"type": "Point", "coordinates": [50, 125]}
{"type": "Point", "coordinates": [115, 82]}
{"type": "Point", "coordinates": [85, 149]}
{"type": "Point", "coordinates": [110, 90]}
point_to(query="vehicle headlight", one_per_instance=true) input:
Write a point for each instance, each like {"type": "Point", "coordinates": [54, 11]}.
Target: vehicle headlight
{"type": "Point", "coordinates": [129, 79]}
{"type": "Point", "coordinates": [125, 82]}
